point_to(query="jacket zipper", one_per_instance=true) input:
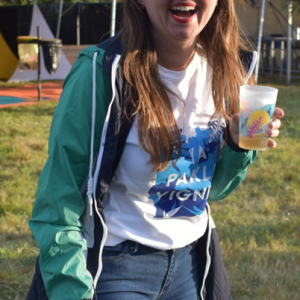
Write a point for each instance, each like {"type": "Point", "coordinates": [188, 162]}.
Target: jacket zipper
{"type": "Point", "coordinates": [89, 193]}
{"type": "Point", "coordinates": [99, 161]}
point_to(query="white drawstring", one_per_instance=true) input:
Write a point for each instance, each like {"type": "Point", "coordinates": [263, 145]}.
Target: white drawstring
{"type": "Point", "coordinates": [89, 192]}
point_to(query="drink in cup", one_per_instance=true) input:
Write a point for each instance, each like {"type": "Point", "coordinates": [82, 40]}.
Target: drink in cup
{"type": "Point", "coordinates": [257, 104]}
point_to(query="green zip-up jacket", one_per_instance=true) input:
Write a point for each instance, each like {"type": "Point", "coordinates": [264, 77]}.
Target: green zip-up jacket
{"type": "Point", "coordinates": [70, 231]}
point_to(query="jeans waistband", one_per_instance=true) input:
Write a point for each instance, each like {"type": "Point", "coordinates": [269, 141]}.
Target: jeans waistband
{"type": "Point", "coordinates": [135, 246]}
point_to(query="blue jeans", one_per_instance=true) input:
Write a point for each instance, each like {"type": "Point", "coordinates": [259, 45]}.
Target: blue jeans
{"type": "Point", "coordinates": [132, 271]}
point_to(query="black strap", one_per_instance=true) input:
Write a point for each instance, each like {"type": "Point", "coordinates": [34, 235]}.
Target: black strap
{"type": "Point", "coordinates": [112, 47]}
{"type": "Point", "coordinates": [127, 118]}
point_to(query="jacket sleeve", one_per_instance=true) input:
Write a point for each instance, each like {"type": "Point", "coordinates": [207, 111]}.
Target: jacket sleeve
{"type": "Point", "coordinates": [55, 220]}
{"type": "Point", "coordinates": [230, 171]}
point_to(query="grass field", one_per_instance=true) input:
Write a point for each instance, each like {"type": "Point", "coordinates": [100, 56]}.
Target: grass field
{"type": "Point", "coordinates": [258, 225]}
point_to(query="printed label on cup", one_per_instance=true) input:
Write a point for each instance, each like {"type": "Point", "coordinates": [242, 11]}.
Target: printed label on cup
{"type": "Point", "coordinates": [257, 105]}
{"type": "Point", "coordinates": [254, 125]}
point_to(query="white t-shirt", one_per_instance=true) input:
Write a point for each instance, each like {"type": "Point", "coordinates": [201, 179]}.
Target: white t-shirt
{"type": "Point", "coordinates": [166, 210]}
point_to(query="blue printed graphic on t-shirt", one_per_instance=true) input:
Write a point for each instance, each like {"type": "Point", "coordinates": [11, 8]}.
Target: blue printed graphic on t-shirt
{"type": "Point", "coordinates": [183, 188]}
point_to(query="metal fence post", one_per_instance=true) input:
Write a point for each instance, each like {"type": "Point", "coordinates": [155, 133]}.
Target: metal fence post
{"type": "Point", "coordinates": [289, 43]}
{"type": "Point", "coordinates": [281, 58]}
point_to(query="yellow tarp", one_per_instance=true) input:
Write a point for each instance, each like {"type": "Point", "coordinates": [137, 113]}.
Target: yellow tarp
{"type": "Point", "coordinates": [8, 61]}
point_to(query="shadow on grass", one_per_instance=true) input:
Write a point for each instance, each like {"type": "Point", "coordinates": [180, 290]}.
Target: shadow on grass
{"type": "Point", "coordinates": [276, 80]}
{"type": "Point", "coordinates": [42, 111]}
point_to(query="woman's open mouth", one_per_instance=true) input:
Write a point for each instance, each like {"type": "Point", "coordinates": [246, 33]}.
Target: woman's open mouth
{"type": "Point", "coordinates": [183, 13]}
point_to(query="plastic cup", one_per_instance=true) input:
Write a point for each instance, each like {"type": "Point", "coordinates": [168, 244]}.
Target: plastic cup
{"type": "Point", "coordinates": [257, 104]}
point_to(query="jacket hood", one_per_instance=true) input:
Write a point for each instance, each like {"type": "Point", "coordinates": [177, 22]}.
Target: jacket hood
{"type": "Point", "coordinates": [113, 45]}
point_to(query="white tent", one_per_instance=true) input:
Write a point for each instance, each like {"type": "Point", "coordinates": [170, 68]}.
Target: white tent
{"type": "Point", "coordinates": [45, 33]}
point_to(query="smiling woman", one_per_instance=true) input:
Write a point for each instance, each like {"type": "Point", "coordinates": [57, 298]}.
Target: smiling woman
{"type": "Point", "coordinates": [157, 104]}
{"type": "Point", "coordinates": [177, 24]}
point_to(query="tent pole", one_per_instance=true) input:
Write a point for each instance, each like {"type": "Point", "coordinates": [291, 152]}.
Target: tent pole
{"type": "Point", "coordinates": [261, 24]}
{"type": "Point", "coordinates": [39, 63]}
{"type": "Point", "coordinates": [78, 24]}
{"type": "Point", "coordinates": [289, 43]}
{"type": "Point", "coordinates": [113, 17]}
{"type": "Point", "coordinates": [59, 18]}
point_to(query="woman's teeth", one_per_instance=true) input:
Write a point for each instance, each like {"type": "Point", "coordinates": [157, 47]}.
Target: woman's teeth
{"type": "Point", "coordinates": [184, 8]}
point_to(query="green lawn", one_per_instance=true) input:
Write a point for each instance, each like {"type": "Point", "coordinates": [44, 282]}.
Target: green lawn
{"type": "Point", "coordinates": [23, 150]}
{"type": "Point", "coordinates": [258, 225]}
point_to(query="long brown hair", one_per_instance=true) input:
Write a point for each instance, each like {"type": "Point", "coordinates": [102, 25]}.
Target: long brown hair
{"type": "Point", "coordinates": [158, 132]}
